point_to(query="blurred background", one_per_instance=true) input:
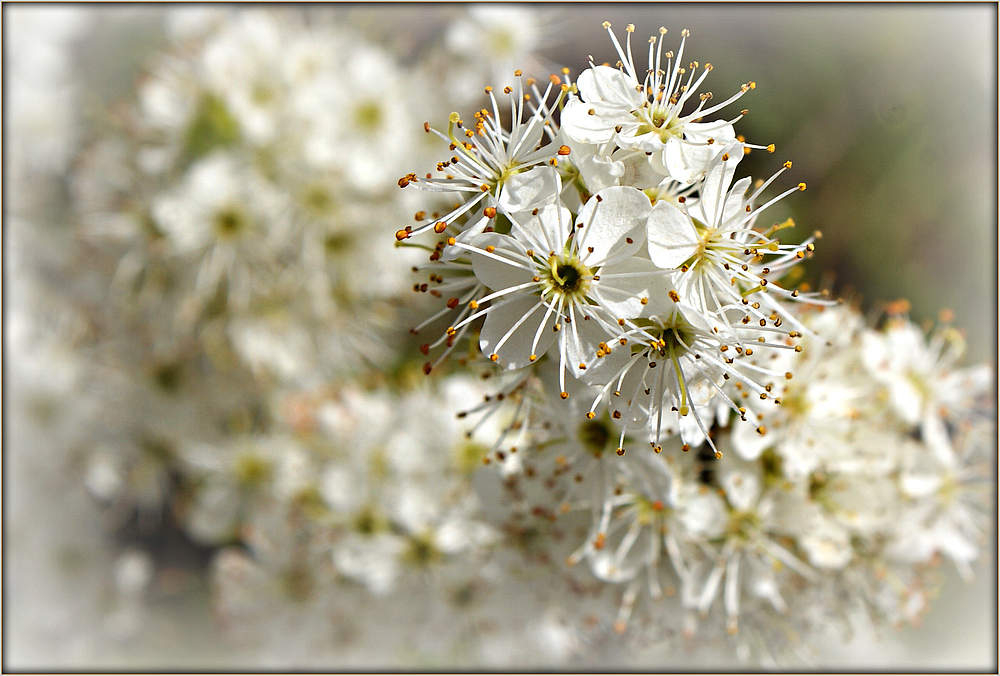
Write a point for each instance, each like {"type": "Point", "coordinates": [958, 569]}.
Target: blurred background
{"type": "Point", "coordinates": [887, 111]}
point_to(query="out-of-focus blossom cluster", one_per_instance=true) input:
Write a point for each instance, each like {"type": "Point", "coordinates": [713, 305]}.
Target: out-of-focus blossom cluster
{"type": "Point", "coordinates": [632, 424]}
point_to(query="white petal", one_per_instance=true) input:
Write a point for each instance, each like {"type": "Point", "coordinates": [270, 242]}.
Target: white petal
{"type": "Point", "coordinates": [599, 172]}
{"type": "Point", "coordinates": [546, 231]}
{"type": "Point", "coordinates": [529, 189]}
{"type": "Point", "coordinates": [919, 485]}
{"type": "Point", "coordinates": [604, 84]}
{"type": "Point", "coordinates": [580, 125]}
{"type": "Point", "coordinates": [526, 137]}
{"type": "Point", "coordinates": [610, 219]}
{"type": "Point", "coordinates": [622, 287]}
{"type": "Point", "coordinates": [742, 489]}
{"type": "Point", "coordinates": [672, 236]}
{"type": "Point", "coordinates": [935, 436]}
{"type": "Point", "coordinates": [721, 134]}
{"type": "Point", "coordinates": [515, 351]}
{"type": "Point", "coordinates": [493, 269]}
{"type": "Point", "coordinates": [688, 161]}
{"type": "Point", "coordinates": [747, 443]}
{"type": "Point", "coordinates": [610, 94]}
{"type": "Point", "coordinates": [637, 170]}
{"type": "Point", "coordinates": [716, 186]}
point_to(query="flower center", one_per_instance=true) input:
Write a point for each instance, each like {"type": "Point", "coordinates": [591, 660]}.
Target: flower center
{"type": "Point", "coordinates": [659, 120]}
{"type": "Point", "coordinates": [565, 277]}
{"type": "Point", "coordinates": [594, 435]}
{"type": "Point", "coordinates": [676, 337]}
{"type": "Point", "coordinates": [229, 222]}
{"type": "Point", "coordinates": [368, 116]}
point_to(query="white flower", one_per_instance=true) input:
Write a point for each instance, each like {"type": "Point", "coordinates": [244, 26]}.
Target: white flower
{"type": "Point", "coordinates": [925, 387]}
{"type": "Point", "coordinates": [750, 547]}
{"type": "Point", "coordinates": [361, 118]}
{"type": "Point", "coordinates": [241, 64]}
{"type": "Point", "coordinates": [644, 110]}
{"type": "Point", "coordinates": [825, 408]}
{"type": "Point", "coordinates": [490, 42]}
{"type": "Point", "coordinates": [565, 281]}
{"type": "Point", "coordinates": [720, 255]}
{"type": "Point", "coordinates": [948, 503]}
{"type": "Point", "coordinates": [227, 220]}
{"type": "Point", "coordinates": [486, 157]}
{"type": "Point", "coordinates": [372, 560]}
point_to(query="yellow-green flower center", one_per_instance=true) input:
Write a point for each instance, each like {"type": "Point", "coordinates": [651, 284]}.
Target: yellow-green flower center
{"type": "Point", "coordinates": [565, 278]}
{"type": "Point", "coordinates": [659, 120]}
{"type": "Point", "coordinates": [594, 435]}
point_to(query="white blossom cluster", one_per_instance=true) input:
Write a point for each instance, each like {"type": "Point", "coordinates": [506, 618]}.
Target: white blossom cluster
{"type": "Point", "coordinates": [621, 420]}
{"type": "Point", "coordinates": [627, 292]}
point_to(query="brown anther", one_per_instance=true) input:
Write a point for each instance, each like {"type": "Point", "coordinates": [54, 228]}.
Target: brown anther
{"type": "Point", "coordinates": [563, 150]}
{"type": "Point", "coordinates": [490, 212]}
{"type": "Point", "coordinates": [564, 395]}
{"type": "Point", "coordinates": [452, 303]}
{"type": "Point", "coordinates": [591, 415]}
{"type": "Point", "coordinates": [401, 235]}
{"type": "Point", "coordinates": [494, 357]}
{"type": "Point", "coordinates": [674, 296]}
{"type": "Point", "coordinates": [440, 227]}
